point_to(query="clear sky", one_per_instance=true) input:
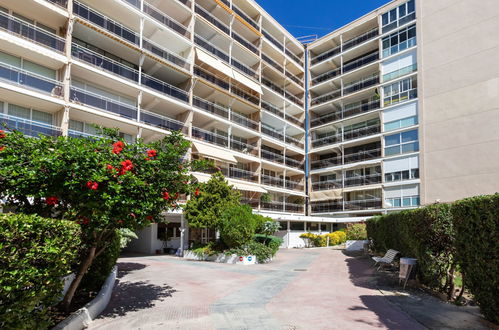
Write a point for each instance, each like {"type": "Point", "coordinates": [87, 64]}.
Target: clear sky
{"type": "Point", "coordinates": [318, 17]}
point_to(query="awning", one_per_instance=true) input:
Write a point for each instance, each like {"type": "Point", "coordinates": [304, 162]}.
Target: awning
{"type": "Point", "coordinates": [202, 177]}
{"type": "Point", "coordinates": [317, 196]}
{"type": "Point", "coordinates": [358, 188]}
{"type": "Point", "coordinates": [214, 153]}
{"type": "Point", "coordinates": [247, 187]}
{"type": "Point", "coordinates": [247, 82]}
{"type": "Point", "coordinates": [214, 62]}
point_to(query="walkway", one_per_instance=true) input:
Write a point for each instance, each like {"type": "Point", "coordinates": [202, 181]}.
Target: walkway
{"type": "Point", "coordinates": [301, 289]}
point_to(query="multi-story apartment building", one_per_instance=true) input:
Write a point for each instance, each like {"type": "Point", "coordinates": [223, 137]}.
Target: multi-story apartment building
{"type": "Point", "coordinates": [385, 97]}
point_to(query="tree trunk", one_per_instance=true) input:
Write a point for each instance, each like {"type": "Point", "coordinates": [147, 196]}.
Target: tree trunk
{"type": "Point", "coordinates": [66, 302]}
{"type": "Point", "coordinates": [450, 292]}
{"type": "Point", "coordinates": [458, 299]}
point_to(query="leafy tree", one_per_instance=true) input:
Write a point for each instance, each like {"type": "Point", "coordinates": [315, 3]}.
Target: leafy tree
{"type": "Point", "coordinates": [269, 227]}
{"type": "Point", "coordinates": [210, 200]}
{"type": "Point", "coordinates": [238, 225]}
{"type": "Point", "coordinates": [104, 184]}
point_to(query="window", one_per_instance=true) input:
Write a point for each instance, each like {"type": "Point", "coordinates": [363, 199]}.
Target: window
{"type": "Point", "coordinates": [284, 225]}
{"type": "Point", "coordinates": [402, 175]}
{"type": "Point", "coordinates": [401, 143]}
{"type": "Point", "coordinates": [400, 91]}
{"type": "Point", "coordinates": [297, 226]}
{"type": "Point", "coordinates": [313, 226]}
{"type": "Point", "coordinates": [401, 123]}
{"type": "Point", "coordinates": [399, 41]}
{"type": "Point", "coordinates": [399, 16]}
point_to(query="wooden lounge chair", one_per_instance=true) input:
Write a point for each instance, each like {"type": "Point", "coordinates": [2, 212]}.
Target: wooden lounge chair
{"type": "Point", "coordinates": [387, 259]}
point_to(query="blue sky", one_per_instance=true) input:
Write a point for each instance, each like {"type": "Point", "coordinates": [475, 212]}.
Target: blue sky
{"type": "Point", "coordinates": [319, 17]}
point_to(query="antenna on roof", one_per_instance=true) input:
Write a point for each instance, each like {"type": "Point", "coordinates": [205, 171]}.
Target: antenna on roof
{"type": "Point", "coordinates": [308, 39]}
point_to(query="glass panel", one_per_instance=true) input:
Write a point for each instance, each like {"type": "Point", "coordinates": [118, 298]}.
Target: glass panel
{"type": "Point", "coordinates": [402, 11]}
{"type": "Point", "coordinates": [410, 136]}
{"type": "Point", "coordinates": [38, 69]}
{"type": "Point", "coordinates": [411, 121]}
{"type": "Point", "coordinates": [297, 225]}
{"type": "Point", "coordinates": [410, 147]}
{"type": "Point", "coordinates": [392, 151]}
{"type": "Point", "coordinates": [75, 125]}
{"type": "Point", "coordinates": [396, 202]}
{"type": "Point", "coordinates": [18, 111]}
{"type": "Point", "coordinates": [407, 201]}
{"type": "Point", "coordinates": [10, 60]}
{"type": "Point", "coordinates": [411, 6]}
{"type": "Point", "coordinates": [392, 139]}
{"type": "Point", "coordinates": [415, 200]}
{"type": "Point", "coordinates": [42, 117]}
{"type": "Point", "coordinates": [384, 19]}
{"type": "Point", "coordinates": [391, 126]}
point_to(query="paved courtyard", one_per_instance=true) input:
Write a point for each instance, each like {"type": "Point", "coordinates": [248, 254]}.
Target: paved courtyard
{"type": "Point", "coordinates": [300, 289]}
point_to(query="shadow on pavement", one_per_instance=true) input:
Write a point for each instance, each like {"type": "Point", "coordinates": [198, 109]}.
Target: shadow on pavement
{"type": "Point", "coordinates": [127, 267]}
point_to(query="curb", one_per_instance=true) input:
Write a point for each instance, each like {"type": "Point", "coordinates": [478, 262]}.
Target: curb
{"type": "Point", "coordinates": [84, 316]}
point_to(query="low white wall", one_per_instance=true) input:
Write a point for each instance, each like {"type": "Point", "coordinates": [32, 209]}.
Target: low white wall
{"type": "Point", "coordinates": [355, 245]}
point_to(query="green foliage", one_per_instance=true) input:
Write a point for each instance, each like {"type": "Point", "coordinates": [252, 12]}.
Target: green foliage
{"type": "Point", "coordinates": [101, 183]}
{"type": "Point", "coordinates": [426, 234]}
{"type": "Point", "coordinates": [266, 198]}
{"type": "Point", "coordinates": [272, 242]}
{"type": "Point", "coordinates": [35, 255]}
{"type": "Point", "coordinates": [126, 236]}
{"type": "Point", "coordinates": [205, 208]}
{"type": "Point", "coordinates": [208, 249]}
{"type": "Point", "coordinates": [269, 227]}
{"type": "Point", "coordinates": [356, 232]}
{"type": "Point", "coordinates": [261, 251]}
{"type": "Point", "coordinates": [476, 222]}
{"type": "Point", "coordinates": [335, 238]}
{"type": "Point", "coordinates": [103, 264]}
{"type": "Point", "coordinates": [237, 225]}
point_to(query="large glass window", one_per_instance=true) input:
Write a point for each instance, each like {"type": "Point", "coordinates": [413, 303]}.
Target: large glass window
{"type": "Point", "coordinates": [400, 91]}
{"type": "Point", "coordinates": [399, 16]}
{"type": "Point", "coordinates": [297, 225]}
{"type": "Point", "coordinates": [399, 41]}
{"type": "Point", "coordinates": [401, 123]}
{"type": "Point", "coordinates": [401, 143]}
{"type": "Point", "coordinates": [402, 175]}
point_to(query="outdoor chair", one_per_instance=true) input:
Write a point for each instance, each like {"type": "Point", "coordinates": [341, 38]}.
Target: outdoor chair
{"type": "Point", "coordinates": [387, 259]}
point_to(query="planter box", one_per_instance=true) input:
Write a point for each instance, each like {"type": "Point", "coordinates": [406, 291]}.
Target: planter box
{"type": "Point", "coordinates": [355, 245]}
{"type": "Point", "coordinates": [221, 258]}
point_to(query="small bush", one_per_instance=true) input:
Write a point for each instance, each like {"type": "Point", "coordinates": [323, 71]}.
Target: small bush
{"type": "Point", "coordinates": [356, 232]}
{"type": "Point", "coordinates": [261, 251]}
{"type": "Point", "coordinates": [476, 222]}
{"type": "Point", "coordinates": [238, 224]}
{"type": "Point", "coordinates": [35, 254]}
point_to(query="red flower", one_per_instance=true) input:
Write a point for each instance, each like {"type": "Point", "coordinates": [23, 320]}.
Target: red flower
{"type": "Point", "coordinates": [126, 166]}
{"type": "Point", "coordinates": [52, 200]}
{"type": "Point", "coordinates": [132, 215]}
{"type": "Point", "coordinates": [118, 147]}
{"type": "Point", "coordinates": [148, 159]}
{"type": "Point", "coordinates": [2, 134]}
{"type": "Point", "coordinates": [149, 218]}
{"type": "Point", "coordinates": [176, 196]}
{"type": "Point", "coordinates": [197, 192]}
{"type": "Point", "coordinates": [119, 221]}
{"type": "Point", "coordinates": [83, 221]}
{"type": "Point", "coordinates": [2, 148]}
{"type": "Point", "coordinates": [152, 153]}
{"type": "Point", "coordinates": [110, 167]}
{"type": "Point", "coordinates": [92, 185]}
{"type": "Point", "coordinates": [166, 195]}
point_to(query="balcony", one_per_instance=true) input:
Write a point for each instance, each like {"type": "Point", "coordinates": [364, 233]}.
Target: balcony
{"type": "Point", "coordinates": [106, 23]}
{"type": "Point", "coordinates": [270, 61]}
{"type": "Point", "coordinates": [244, 68]}
{"type": "Point", "coordinates": [326, 97]}
{"type": "Point", "coordinates": [326, 55]}
{"type": "Point", "coordinates": [94, 100]}
{"type": "Point", "coordinates": [272, 109]}
{"type": "Point", "coordinates": [203, 135]}
{"type": "Point", "coordinates": [212, 49]}
{"type": "Point", "coordinates": [164, 88]}
{"type": "Point", "coordinates": [401, 72]}
{"type": "Point", "coordinates": [104, 63]}
{"type": "Point", "coordinates": [291, 76]}
{"type": "Point", "coordinates": [250, 201]}
{"type": "Point", "coordinates": [360, 62]}
{"type": "Point", "coordinates": [27, 79]}
{"type": "Point", "coordinates": [272, 156]}
{"type": "Point", "coordinates": [166, 20]}
{"type": "Point", "coordinates": [400, 97]}
{"type": "Point", "coordinates": [326, 207]}
{"type": "Point", "coordinates": [163, 122]}
{"type": "Point", "coordinates": [239, 174]}
{"type": "Point", "coordinates": [360, 39]}
{"type": "Point", "coordinates": [291, 162]}
{"type": "Point", "coordinates": [294, 57]}
{"type": "Point", "coordinates": [361, 84]}
{"type": "Point", "coordinates": [294, 185]}
{"type": "Point", "coordinates": [245, 17]}
{"type": "Point", "coordinates": [282, 207]}
{"type": "Point", "coordinates": [362, 180]}
{"type": "Point", "coordinates": [212, 19]}
{"type": "Point", "coordinates": [273, 133]}
{"type": "Point", "coordinates": [31, 32]}
{"type": "Point", "coordinates": [273, 40]}
{"type": "Point", "coordinates": [347, 135]}
{"type": "Point", "coordinates": [326, 76]}
{"type": "Point", "coordinates": [273, 181]}
{"type": "Point", "coordinates": [293, 98]}
{"type": "Point", "coordinates": [281, 92]}
{"type": "Point", "coordinates": [293, 141]}
{"type": "Point", "coordinates": [346, 159]}
{"type": "Point", "coordinates": [326, 140]}
{"type": "Point", "coordinates": [245, 148]}
{"type": "Point", "coordinates": [244, 121]}
{"type": "Point", "coordinates": [60, 3]}
{"type": "Point", "coordinates": [28, 127]}
{"type": "Point", "coordinates": [294, 120]}
{"type": "Point", "coordinates": [244, 42]}
{"type": "Point", "coordinates": [210, 107]}
{"type": "Point", "coordinates": [339, 205]}
{"type": "Point", "coordinates": [327, 185]}
{"type": "Point", "coordinates": [347, 111]}
{"type": "Point", "coordinates": [78, 134]}
{"type": "Point", "coordinates": [157, 50]}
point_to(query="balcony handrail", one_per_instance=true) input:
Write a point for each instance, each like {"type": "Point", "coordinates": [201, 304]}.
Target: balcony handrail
{"type": "Point", "coordinates": [270, 61]}
{"type": "Point", "coordinates": [360, 62]}
{"type": "Point", "coordinates": [211, 134]}
{"type": "Point", "coordinates": [326, 55]}
{"type": "Point", "coordinates": [400, 72]}
{"type": "Point", "coordinates": [245, 121]}
{"type": "Point", "coordinates": [272, 39]}
{"type": "Point", "coordinates": [149, 45]}
{"type": "Point", "coordinates": [272, 132]}
{"type": "Point", "coordinates": [212, 19]}
{"type": "Point", "coordinates": [28, 122]}
{"type": "Point", "coordinates": [243, 68]}
{"type": "Point", "coordinates": [103, 58]}
{"type": "Point", "coordinates": [272, 86]}
{"type": "Point", "coordinates": [293, 98]}
{"type": "Point", "coordinates": [242, 146]}
{"type": "Point", "coordinates": [326, 76]}
{"type": "Point", "coordinates": [102, 97]}
{"type": "Point", "coordinates": [243, 41]}
{"type": "Point", "coordinates": [361, 84]}
{"type": "Point", "coordinates": [211, 107]}
{"type": "Point", "coordinates": [293, 140]}
{"type": "Point", "coordinates": [272, 108]}
{"type": "Point", "coordinates": [244, 173]}
{"type": "Point", "coordinates": [326, 97]}
{"type": "Point", "coordinates": [60, 42]}
{"type": "Point", "coordinates": [77, 5]}
{"type": "Point", "coordinates": [157, 115]}
{"type": "Point", "coordinates": [293, 77]}
{"type": "Point", "coordinates": [269, 155]}
{"type": "Point", "coordinates": [360, 39]}
{"type": "Point", "coordinates": [294, 57]}
{"type": "Point", "coordinates": [293, 162]}
{"type": "Point", "coordinates": [168, 21]}
{"type": "Point", "coordinates": [19, 72]}
{"type": "Point", "coordinates": [165, 84]}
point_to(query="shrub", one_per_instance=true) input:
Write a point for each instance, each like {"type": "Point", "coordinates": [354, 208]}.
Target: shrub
{"type": "Point", "coordinates": [309, 239]}
{"type": "Point", "coordinates": [261, 251]}
{"type": "Point", "coordinates": [35, 254]}
{"type": "Point", "coordinates": [342, 236]}
{"type": "Point", "coordinates": [335, 238]}
{"type": "Point", "coordinates": [238, 225]}
{"type": "Point", "coordinates": [269, 227]}
{"type": "Point", "coordinates": [476, 222]}
{"type": "Point", "coordinates": [356, 232]}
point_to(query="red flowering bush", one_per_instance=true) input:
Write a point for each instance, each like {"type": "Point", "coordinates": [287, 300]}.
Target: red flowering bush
{"type": "Point", "coordinates": [103, 184]}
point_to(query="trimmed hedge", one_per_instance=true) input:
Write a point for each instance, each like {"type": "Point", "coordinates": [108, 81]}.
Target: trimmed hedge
{"type": "Point", "coordinates": [476, 222]}
{"type": "Point", "coordinates": [444, 237]}
{"type": "Point", "coordinates": [35, 254]}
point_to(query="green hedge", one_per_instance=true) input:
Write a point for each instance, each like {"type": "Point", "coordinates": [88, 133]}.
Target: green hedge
{"type": "Point", "coordinates": [476, 223]}
{"type": "Point", "coordinates": [35, 254]}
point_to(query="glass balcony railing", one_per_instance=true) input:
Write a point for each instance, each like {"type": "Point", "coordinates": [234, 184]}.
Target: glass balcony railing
{"type": "Point", "coordinates": [245, 148]}
{"type": "Point", "coordinates": [346, 159]}
{"type": "Point", "coordinates": [245, 17]}
{"type": "Point", "coordinates": [294, 57]}
{"type": "Point", "coordinates": [244, 68]}
{"type": "Point", "coordinates": [294, 185]}
{"type": "Point", "coordinates": [244, 42]}
{"type": "Point", "coordinates": [294, 78]}
{"type": "Point", "coordinates": [401, 97]}
{"type": "Point", "coordinates": [101, 102]}
{"type": "Point", "coordinates": [273, 40]}
{"type": "Point", "coordinates": [210, 107]}
{"type": "Point", "coordinates": [185, 2]}
{"type": "Point", "coordinates": [360, 62]}
{"type": "Point", "coordinates": [326, 55]}
{"type": "Point", "coordinates": [211, 137]}
{"type": "Point", "coordinates": [157, 50]}
{"type": "Point", "coordinates": [362, 180]}
{"type": "Point", "coordinates": [326, 207]}
{"type": "Point", "coordinates": [293, 208]}
{"type": "Point", "coordinates": [291, 162]}
{"type": "Point", "coordinates": [327, 140]}
{"type": "Point", "coordinates": [163, 122]}
{"type": "Point", "coordinates": [360, 39]}
{"type": "Point", "coordinates": [327, 185]}
{"type": "Point", "coordinates": [272, 86]}
{"type": "Point", "coordinates": [212, 49]}
{"type": "Point", "coordinates": [78, 134]}
{"type": "Point", "coordinates": [113, 27]}
{"type": "Point", "coordinates": [104, 63]}
{"type": "Point", "coordinates": [273, 133]}
{"type": "Point", "coordinates": [212, 19]}
{"type": "Point", "coordinates": [326, 76]}
{"type": "Point", "coordinates": [347, 135]}
{"type": "Point", "coordinates": [242, 94]}
{"type": "Point", "coordinates": [295, 142]}
{"type": "Point", "coordinates": [272, 63]}
{"type": "Point", "coordinates": [164, 88]}
{"type": "Point", "coordinates": [28, 127]}
{"type": "Point", "coordinates": [29, 31]}
{"type": "Point", "coordinates": [237, 173]}
{"type": "Point", "coordinates": [339, 205]}
{"type": "Point", "coordinates": [272, 109]}
{"type": "Point", "coordinates": [282, 207]}
{"type": "Point", "coordinates": [359, 85]}
{"type": "Point", "coordinates": [272, 156]}
{"type": "Point", "coordinates": [293, 98]}
{"type": "Point", "coordinates": [61, 3]}
{"type": "Point", "coordinates": [401, 72]}
{"type": "Point", "coordinates": [272, 181]}
{"type": "Point", "coordinates": [326, 97]}
{"type": "Point", "coordinates": [348, 111]}
{"type": "Point", "coordinates": [27, 79]}
{"type": "Point", "coordinates": [243, 121]}
{"type": "Point", "coordinates": [295, 121]}
{"type": "Point", "coordinates": [166, 20]}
